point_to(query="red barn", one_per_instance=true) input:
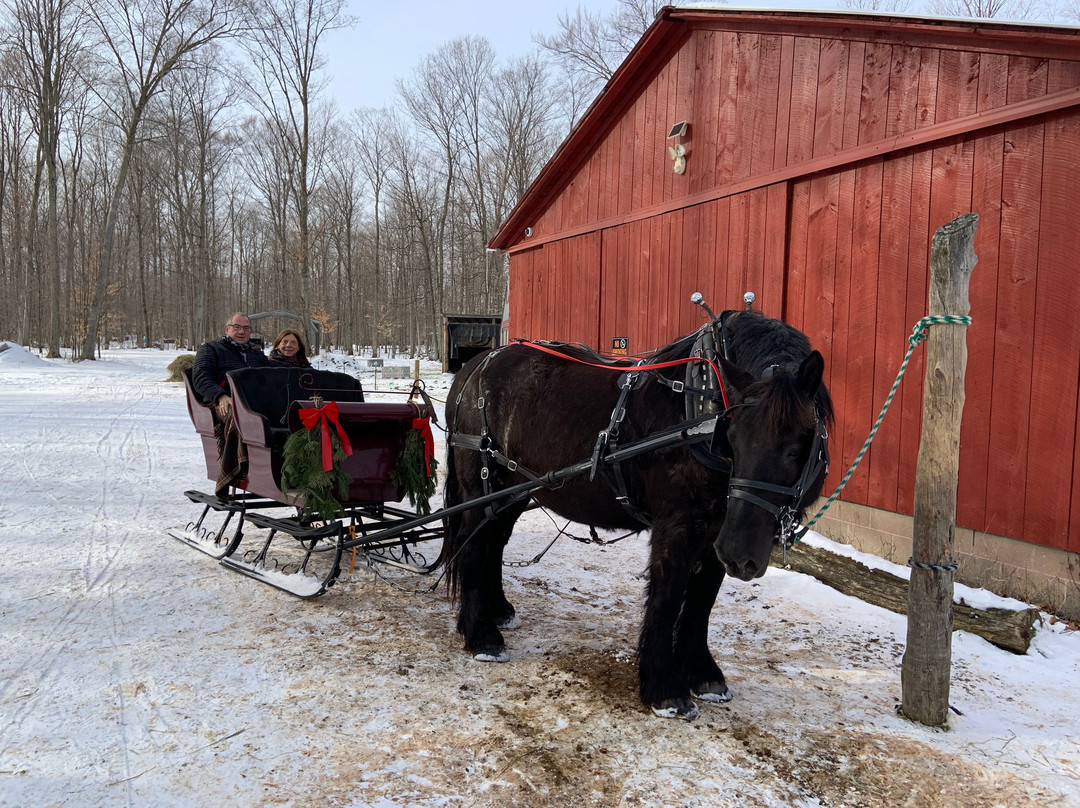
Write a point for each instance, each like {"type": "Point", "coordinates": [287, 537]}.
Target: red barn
{"type": "Point", "coordinates": [821, 152]}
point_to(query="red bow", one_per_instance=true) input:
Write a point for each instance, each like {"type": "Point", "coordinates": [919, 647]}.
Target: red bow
{"type": "Point", "coordinates": [424, 425]}
{"type": "Point", "coordinates": [324, 415]}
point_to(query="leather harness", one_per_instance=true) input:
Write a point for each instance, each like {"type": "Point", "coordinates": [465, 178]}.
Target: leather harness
{"type": "Point", "coordinates": [705, 399]}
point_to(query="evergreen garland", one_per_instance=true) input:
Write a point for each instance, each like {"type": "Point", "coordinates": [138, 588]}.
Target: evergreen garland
{"type": "Point", "coordinates": [412, 472]}
{"type": "Point", "coordinates": [302, 473]}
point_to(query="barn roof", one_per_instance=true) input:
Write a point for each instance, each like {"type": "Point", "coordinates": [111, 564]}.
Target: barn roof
{"type": "Point", "coordinates": [674, 25]}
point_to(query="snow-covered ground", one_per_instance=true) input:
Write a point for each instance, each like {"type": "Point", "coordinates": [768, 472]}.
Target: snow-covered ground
{"type": "Point", "coordinates": [135, 671]}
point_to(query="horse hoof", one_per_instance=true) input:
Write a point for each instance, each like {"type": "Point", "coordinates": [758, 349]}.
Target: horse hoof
{"type": "Point", "coordinates": [714, 692]}
{"type": "Point", "coordinates": [670, 708]}
{"type": "Point", "coordinates": [497, 656]}
{"type": "Point", "coordinates": [510, 622]}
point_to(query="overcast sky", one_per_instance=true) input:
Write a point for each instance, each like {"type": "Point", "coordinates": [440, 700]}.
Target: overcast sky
{"type": "Point", "coordinates": [391, 38]}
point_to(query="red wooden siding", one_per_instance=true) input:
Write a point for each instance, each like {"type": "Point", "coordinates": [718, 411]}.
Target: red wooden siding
{"type": "Point", "coordinates": [841, 249]}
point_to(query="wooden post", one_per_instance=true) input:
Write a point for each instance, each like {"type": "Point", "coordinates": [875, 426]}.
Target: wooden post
{"type": "Point", "coordinates": [928, 658]}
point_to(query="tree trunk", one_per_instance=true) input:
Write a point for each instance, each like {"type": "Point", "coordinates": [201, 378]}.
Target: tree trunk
{"type": "Point", "coordinates": [1005, 628]}
{"type": "Point", "coordinates": [928, 658]}
{"type": "Point", "coordinates": [94, 320]}
{"type": "Point", "coordinates": [54, 254]}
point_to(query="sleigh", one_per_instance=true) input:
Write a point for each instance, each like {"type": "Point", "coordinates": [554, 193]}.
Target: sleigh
{"type": "Point", "coordinates": [254, 524]}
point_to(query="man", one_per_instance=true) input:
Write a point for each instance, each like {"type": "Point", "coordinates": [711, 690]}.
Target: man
{"type": "Point", "coordinates": [215, 359]}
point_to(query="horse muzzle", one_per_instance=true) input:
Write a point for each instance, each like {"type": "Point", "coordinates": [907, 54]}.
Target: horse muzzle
{"type": "Point", "coordinates": [741, 563]}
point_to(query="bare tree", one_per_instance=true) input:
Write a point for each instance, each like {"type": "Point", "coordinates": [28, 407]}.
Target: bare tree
{"type": "Point", "coordinates": [193, 151]}
{"type": "Point", "coordinates": [145, 41]}
{"type": "Point", "coordinates": [287, 82]}
{"type": "Point", "coordinates": [435, 108]}
{"type": "Point", "coordinates": [895, 6]}
{"type": "Point", "coordinates": [522, 102]}
{"type": "Point", "coordinates": [985, 9]}
{"type": "Point", "coordinates": [1069, 11]}
{"type": "Point", "coordinates": [14, 157]}
{"type": "Point", "coordinates": [48, 37]}
{"type": "Point", "coordinates": [375, 155]}
{"type": "Point", "coordinates": [588, 47]}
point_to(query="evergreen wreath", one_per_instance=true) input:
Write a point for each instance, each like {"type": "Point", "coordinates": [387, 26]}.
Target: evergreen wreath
{"type": "Point", "coordinates": [416, 468]}
{"type": "Point", "coordinates": [302, 474]}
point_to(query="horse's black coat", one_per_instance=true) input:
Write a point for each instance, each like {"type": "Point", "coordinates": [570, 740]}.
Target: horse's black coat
{"type": "Point", "coordinates": [545, 412]}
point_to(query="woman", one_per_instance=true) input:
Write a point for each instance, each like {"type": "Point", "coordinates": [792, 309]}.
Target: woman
{"type": "Point", "coordinates": [288, 349]}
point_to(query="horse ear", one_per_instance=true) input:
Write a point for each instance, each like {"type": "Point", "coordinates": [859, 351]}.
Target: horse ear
{"type": "Point", "coordinates": [810, 373]}
{"type": "Point", "coordinates": [734, 375]}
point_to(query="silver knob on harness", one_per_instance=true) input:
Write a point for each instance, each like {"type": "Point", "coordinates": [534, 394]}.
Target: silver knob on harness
{"type": "Point", "coordinates": [698, 299]}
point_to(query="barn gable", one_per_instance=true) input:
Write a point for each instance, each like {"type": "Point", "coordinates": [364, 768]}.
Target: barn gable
{"type": "Point", "coordinates": [822, 152]}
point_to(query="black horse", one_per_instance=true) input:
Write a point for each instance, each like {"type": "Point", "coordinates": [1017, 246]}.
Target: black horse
{"type": "Point", "coordinates": [712, 508]}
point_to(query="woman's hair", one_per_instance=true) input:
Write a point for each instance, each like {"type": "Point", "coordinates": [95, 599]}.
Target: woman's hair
{"type": "Point", "coordinates": [302, 352]}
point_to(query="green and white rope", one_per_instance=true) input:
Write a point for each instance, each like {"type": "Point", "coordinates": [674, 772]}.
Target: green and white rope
{"type": "Point", "coordinates": [918, 334]}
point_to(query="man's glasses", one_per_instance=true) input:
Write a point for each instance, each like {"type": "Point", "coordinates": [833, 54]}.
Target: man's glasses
{"type": "Point", "coordinates": [240, 327]}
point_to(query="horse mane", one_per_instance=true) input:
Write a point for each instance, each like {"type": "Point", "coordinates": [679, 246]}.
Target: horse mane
{"type": "Point", "coordinates": [780, 401]}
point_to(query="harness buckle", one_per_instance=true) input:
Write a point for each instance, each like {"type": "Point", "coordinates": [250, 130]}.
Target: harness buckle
{"type": "Point", "coordinates": [511, 465]}
{"type": "Point", "coordinates": [480, 403]}
{"type": "Point", "coordinates": [678, 387]}
{"type": "Point", "coordinates": [484, 473]}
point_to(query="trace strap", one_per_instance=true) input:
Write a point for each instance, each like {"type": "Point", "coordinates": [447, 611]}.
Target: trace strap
{"type": "Point", "coordinates": [325, 415]}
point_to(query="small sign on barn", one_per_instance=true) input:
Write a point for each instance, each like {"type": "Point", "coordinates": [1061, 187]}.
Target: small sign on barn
{"type": "Point", "coordinates": [620, 346]}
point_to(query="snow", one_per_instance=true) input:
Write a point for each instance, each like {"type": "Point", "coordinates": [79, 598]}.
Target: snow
{"type": "Point", "coordinates": [137, 671]}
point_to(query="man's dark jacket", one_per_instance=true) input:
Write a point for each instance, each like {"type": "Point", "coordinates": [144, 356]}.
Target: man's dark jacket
{"type": "Point", "coordinates": [214, 359]}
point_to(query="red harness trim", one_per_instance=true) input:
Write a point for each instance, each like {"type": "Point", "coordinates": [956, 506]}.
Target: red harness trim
{"type": "Point", "coordinates": [630, 368]}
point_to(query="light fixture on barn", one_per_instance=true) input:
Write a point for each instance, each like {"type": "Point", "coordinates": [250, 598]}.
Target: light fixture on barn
{"type": "Point", "coordinates": [677, 151]}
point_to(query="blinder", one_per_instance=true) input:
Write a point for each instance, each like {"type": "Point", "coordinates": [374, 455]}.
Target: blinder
{"type": "Point", "coordinates": [702, 393]}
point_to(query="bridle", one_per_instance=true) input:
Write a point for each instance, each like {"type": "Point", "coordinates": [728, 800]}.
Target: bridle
{"type": "Point", "coordinates": [714, 340]}
{"type": "Point", "coordinates": [816, 466]}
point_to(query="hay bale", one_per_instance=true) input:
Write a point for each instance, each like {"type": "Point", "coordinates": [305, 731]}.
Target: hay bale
{"type": "Point", "coordinates": [179, 365]}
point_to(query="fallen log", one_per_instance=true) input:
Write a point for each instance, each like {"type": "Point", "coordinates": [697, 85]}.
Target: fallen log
{"type": "Point", "coordinates": [1005, 628]}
